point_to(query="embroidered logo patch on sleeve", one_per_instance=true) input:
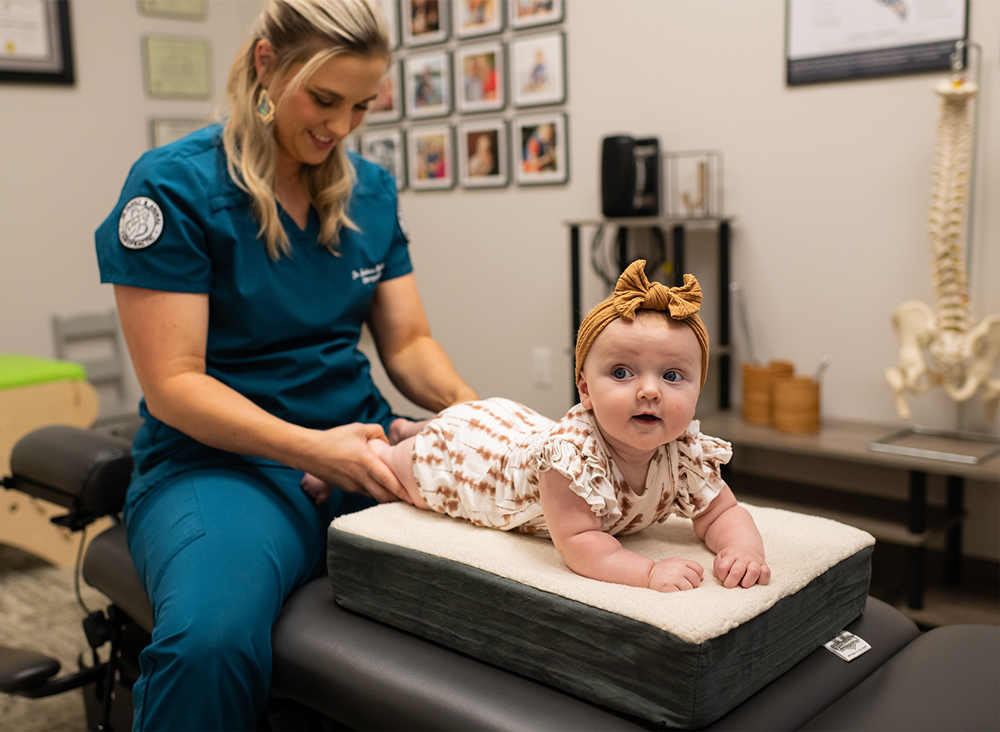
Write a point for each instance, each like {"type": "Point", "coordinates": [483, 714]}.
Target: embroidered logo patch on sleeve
{"type": "Point", "coordinates": [141, 223]}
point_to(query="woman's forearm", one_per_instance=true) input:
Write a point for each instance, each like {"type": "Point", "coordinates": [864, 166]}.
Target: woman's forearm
{"type": "Point", "coordinates": [212, 413]}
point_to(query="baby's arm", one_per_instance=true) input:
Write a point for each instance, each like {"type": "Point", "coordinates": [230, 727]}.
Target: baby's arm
{"type": "Point", "coordinates": [729, 531]}
{"type": "Point", "coordinates": [588, 551]}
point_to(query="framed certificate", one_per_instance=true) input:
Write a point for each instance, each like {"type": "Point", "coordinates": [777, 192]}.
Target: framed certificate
{"type": "Point", "coordinates": [35, 42]}
{"type": "Point", "coordinates": [177, 67]}
{"type": "Point", "coordinates": [164, 130]}
{"type": "Point", "coordinates": [181, 9]}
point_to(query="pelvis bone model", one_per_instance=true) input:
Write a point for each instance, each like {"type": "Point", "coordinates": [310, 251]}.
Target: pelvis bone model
{"type": "Point", "coordinates": [941, 347]}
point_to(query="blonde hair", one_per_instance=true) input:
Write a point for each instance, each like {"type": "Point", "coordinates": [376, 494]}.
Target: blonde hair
{"type": "Point", "coordinates": [307, 32]}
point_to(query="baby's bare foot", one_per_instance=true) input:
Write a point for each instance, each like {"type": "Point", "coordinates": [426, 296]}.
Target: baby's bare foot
{"type": "Point", "coordinates": [316, 489]}
{"type": "Point", "coordinates": [400, 429]}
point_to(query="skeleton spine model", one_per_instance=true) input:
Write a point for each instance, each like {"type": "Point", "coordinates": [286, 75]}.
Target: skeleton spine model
{"type": "Point", "coordinates": [940, 346]}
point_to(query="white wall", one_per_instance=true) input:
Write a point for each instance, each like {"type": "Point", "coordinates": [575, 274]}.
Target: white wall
{"type": "Point", "coordinates": [65, 152]}
{"type": "Point", "coordinates": [828, 186]}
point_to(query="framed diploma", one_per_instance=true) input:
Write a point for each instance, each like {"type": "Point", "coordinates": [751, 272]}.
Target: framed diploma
{"type": "Point", "coordinates": [177, 67]}
{"type": "Point", "coordinates": [164, 130]}
{"type": "Point", "coordinates": [181, 9]}
{"type": "Point", "coordinates": [35, 42]}
{"type": "Point", "coordinates": [833, 40]}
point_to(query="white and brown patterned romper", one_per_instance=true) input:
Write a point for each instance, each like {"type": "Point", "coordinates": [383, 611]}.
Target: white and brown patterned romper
{"type": "Point", "coordinates": [480, 461]}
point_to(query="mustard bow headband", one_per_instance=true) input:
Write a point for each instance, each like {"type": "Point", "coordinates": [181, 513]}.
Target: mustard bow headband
{"type": "Point", "coordinates": [633, 293]}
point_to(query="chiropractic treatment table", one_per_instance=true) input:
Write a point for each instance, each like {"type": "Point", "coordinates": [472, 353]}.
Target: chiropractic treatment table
{"type": "Point", "coordinates": [341, 669]}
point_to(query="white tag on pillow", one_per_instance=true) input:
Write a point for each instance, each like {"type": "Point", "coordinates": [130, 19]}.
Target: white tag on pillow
{"type": "Point", "coordinates": [847, 645]}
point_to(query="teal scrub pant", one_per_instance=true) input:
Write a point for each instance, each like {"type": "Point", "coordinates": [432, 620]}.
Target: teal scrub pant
{"type": "Point", "coordinates": [219, 550]}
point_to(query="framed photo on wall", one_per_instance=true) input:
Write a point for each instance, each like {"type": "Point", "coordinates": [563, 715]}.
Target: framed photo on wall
{"type": "Point", "coordinates": [538, 69]}
{"type": "Point", "coordinates": [478, 18]}
{"type": "Point", "coordinates": [531, 13]}
{"type": "Point", "coordinates": [541, 151]}
{"type": "Point", "coordinates": [480, 77]}
{"type": "Point", "coordinates": [36, 45]}
{"type": "Point", "coordinates": [428, 84]}
{"type": "Point", "coordinates": [483, 154]}
{"type": "Point", "coordinates": [430, 158]}
{"type": "Point", "coordinates": [424, 21]}
{"type": "Point", "coordinates": [388, 105]}
{"type": "Point", "coordinates": [386, 148]}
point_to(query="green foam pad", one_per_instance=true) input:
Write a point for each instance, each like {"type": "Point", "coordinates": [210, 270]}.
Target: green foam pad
{"type": "Point", "coordinates": [17, 370]}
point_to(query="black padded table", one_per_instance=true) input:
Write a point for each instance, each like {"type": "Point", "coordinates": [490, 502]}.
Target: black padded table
{"type": "Point", "coordinates": [370, 676]}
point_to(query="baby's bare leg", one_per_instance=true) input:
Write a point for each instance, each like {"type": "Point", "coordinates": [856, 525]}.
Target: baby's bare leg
{"type": "Point", "coordinates": [399, 458]}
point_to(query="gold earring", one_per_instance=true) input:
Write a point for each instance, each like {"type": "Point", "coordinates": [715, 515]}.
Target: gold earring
{"type": "Point", "coordinates": [265, 107]}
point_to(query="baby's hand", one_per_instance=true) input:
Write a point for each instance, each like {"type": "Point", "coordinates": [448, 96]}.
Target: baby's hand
{"type": "Point", "coordinates": [675, 574]}
{"type": "Point", "coordinates": [316, 489]}
{"type": "Point", "coordinates": [741, 566]}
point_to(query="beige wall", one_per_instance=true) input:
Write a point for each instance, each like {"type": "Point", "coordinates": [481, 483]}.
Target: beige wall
{"type": "Point", "coordinates": [828, 186]}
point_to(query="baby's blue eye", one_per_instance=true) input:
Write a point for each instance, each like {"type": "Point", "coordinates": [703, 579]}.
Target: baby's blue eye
{"type": "Point", "coordinates": [620, 373]}
{"type": "Point", "coordinates": [672, 376]}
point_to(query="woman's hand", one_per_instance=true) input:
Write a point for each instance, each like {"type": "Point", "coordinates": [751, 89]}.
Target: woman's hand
{"type": "Point", "coordinates": [674, 574]}
{"type": "Point", "coordinates": [741, 566]}
{"type": "Point", "coordinates": [341, 457]}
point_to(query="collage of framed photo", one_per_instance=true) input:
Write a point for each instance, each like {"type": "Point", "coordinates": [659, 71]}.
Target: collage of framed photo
{"type": "Point", "coordinates": [483, 154]}
{"type": "Point", "coordinates": [431, 157]}
{"type": "Point", "coordinates": [386, 148]}
{"type": "Point", "coordinates": [541, 155]}
{"type": "Point", "coordinates": [473, 59]}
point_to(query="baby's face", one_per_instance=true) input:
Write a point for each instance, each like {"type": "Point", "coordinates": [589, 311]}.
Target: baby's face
{"type": "Point", "coordinates": [642, 380]}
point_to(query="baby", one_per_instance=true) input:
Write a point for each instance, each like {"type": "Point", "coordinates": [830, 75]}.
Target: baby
{"type": "Point", "coordinates": [626, 457]}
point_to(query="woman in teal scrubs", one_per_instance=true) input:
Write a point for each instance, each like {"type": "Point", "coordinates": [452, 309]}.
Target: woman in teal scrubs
{"type": "Point", "coordinates": [245, 259]}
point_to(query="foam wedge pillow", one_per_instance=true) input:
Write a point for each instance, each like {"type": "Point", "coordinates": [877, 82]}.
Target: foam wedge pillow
{"type": "Point", "coordinates": [681, 659]}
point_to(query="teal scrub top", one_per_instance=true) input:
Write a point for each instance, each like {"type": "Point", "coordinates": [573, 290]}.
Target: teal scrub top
{"type": "Point", "coordinates": [284, 333]}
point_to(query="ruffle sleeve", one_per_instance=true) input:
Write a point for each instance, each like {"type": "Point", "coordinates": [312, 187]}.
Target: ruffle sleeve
{"type": "Point", "coordinates": [588, 472]}
{"type": "Point", "coordinates": [699, 459]}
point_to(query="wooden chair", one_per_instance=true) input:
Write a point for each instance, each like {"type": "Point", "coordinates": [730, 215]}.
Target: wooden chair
{"type": "Point", "coordinates": [93, 340]}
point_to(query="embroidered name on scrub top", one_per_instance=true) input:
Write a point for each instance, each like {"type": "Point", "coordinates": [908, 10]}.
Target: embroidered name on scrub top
{"type": "Point", "coordinates": [367, 276]}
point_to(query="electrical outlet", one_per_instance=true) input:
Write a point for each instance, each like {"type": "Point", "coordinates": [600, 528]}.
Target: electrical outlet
{"type": "Point", "coordinates": [542, 367]}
